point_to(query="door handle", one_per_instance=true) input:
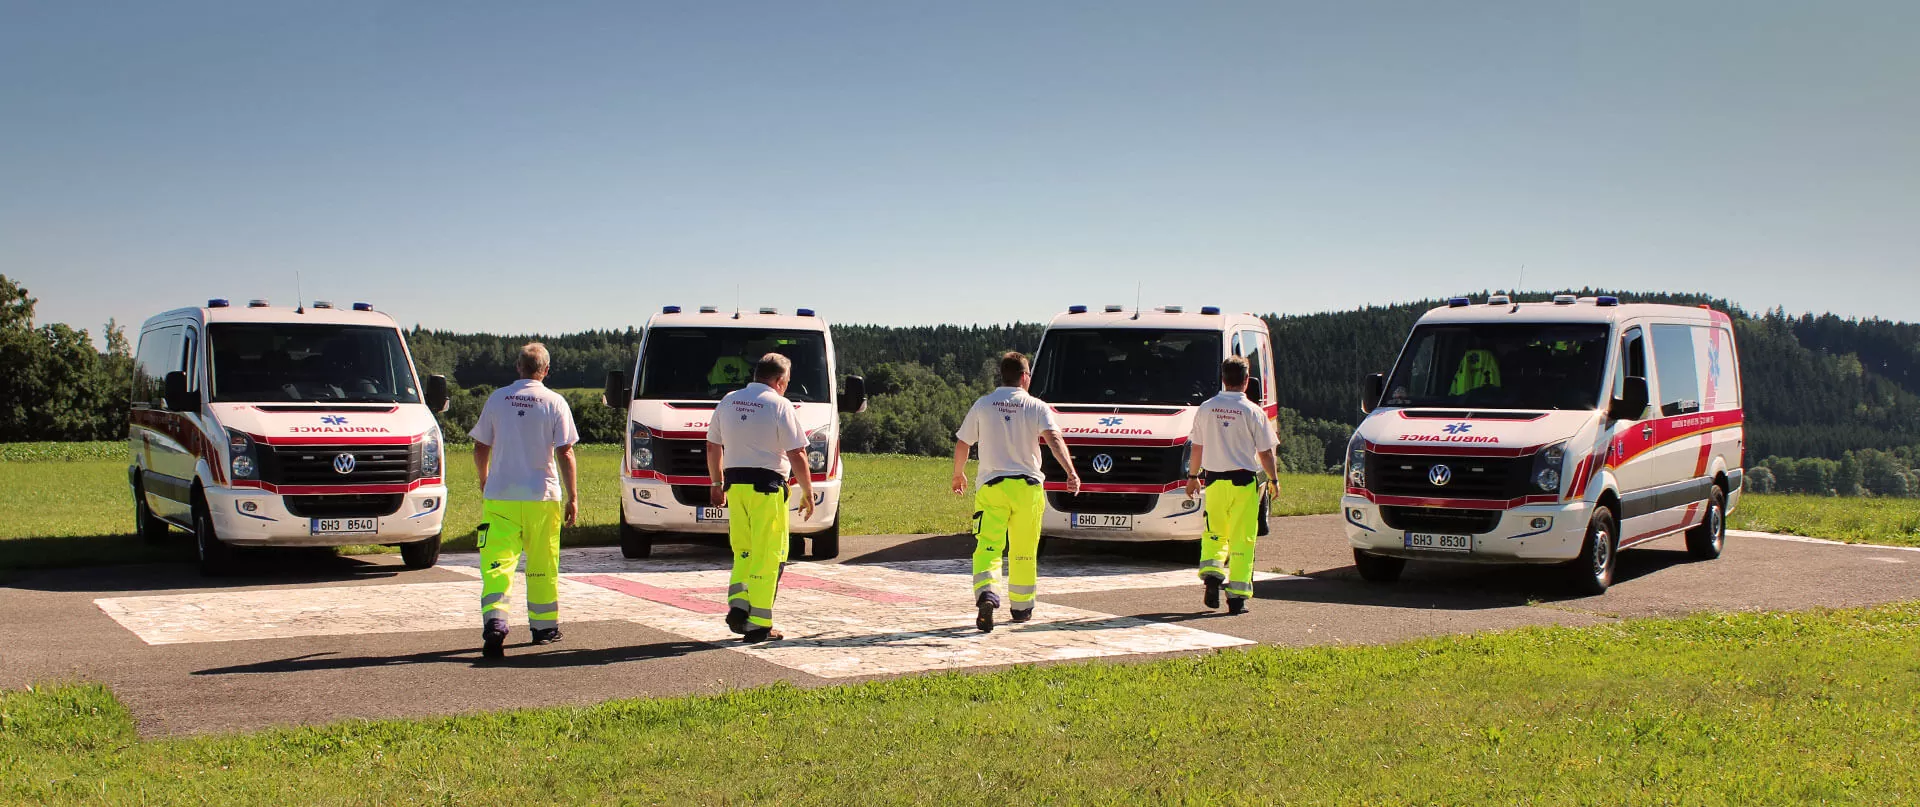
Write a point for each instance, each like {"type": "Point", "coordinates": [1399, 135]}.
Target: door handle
{"type": "Point", "coordinates": [1646, 433]}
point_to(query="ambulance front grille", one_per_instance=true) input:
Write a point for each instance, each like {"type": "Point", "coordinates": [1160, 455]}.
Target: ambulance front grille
{"type": "Point", "coordinates": [1119, 503]}
{"type": "Point", "coordinates": [1447, 521]}
{"type": "Point", "coordinates": [1129, 465]}
{"type": "Point", "coordinates": [319, 465]}
{"type": "Point", "coordinates": [680, 457]}
{"type": "Point", "coordinates": [1488, 478]}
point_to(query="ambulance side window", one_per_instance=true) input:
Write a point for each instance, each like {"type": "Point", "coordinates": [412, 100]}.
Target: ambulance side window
{"type": "Point", "coordinates": [1633, 361]}
{"type": "Point", "coordinates": [1256, 358]}
{"type": "Point", "coordinates": [1673, 358]}
{"type": "Point", "coordinates": [186, 363]}
{"type": "Point", "coordinates": [159, 349]}
{"type": "Point", "coordinates": [1722, 384]}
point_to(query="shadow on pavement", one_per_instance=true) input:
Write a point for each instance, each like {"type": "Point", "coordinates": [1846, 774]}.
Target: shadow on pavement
{"type": "Point", "coordinates": [931, 547]}
{"type": "Point", "coordinates": [1465, 585]}
{"type": "Point", "coordinates": [254, 566]}
{"type": "Point", "coordinates": [520, 656]}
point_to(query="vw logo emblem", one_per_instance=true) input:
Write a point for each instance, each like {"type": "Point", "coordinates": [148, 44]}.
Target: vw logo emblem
{"type": "Point", "coordinates": [343, 463]}
{"type": "Point", "coordinates": [1439, 475]}
{"type": "Point", "coordinates": [1102, 463]}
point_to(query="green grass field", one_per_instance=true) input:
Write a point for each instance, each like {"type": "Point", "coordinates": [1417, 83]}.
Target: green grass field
{"type": "Point", "coordinates": [1747, 709]}
{"type": "Point", "coordinates": [1892, 522]}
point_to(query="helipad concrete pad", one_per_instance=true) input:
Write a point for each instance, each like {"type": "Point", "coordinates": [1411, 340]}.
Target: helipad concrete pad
{"type": "Point", "coordinates": [839, 620]}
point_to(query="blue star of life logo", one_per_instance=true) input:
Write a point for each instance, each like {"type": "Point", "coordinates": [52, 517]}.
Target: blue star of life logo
{"type": "Point", "coordinates": [1458, 428]}
{"type": "Point", "coordinates": [1110, 421]}
{"type": "Point", "coordinates": [334, 420]}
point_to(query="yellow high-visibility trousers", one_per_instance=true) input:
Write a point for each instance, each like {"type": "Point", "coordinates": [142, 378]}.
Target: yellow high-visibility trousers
{"type": "Point", "coordinates": [1226, 546]}
{"type": "Point", "coordinates": [757, 534]}
{"type": "Point", "coordinates": [508, 530]}
{"type": "Point", "coordinates": [1006, 522]}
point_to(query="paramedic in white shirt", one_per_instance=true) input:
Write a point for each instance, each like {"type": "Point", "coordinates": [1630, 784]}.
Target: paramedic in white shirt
{"type": "Point", "coordinates": [523, 451]}
{"type": "Point", "coordinates": [1232, 440]}
{"type": "Point", "coordinates": [754, 444]}
{"type": "Point", "coordinates": [1008, 426]}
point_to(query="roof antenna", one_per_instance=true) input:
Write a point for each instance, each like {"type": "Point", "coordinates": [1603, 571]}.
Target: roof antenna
{"type": "Point", "coordinates": [736, 301]}
{"type": "Point", "coordinates": [1136, 298]}
{"type": "Point", "coordinates": [1516, 289]}
{"type": "Point", "coordinates": [299, 307]}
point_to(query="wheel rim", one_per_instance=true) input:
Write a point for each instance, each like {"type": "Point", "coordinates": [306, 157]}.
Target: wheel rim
{"type": "Point", "coordinates": [200, 534]}
{"type": "Point", "coordinates": [1602, 553]}
{"type": "Point", "coordinates": [1717, 526]}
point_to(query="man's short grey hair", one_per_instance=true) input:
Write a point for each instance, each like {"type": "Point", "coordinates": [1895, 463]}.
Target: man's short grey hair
{"type": "Point", "coordinates": [771, 367]}
{"type": "Point", "coordinates": [533, 359]}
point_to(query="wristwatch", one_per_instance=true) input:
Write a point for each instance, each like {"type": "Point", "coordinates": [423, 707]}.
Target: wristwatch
{"type": "Point", "coordinates": [1196, 476]}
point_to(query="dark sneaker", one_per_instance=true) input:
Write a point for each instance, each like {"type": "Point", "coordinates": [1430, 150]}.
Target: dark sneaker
{"type": "Point", "coordinates": [1021, 615]}
{"type": "Point", "coordinates": [986, 602]}
{"type": "Point", "coordinates": [758, 635]}
{"type": "Point", "coordinates": [546, 635]}
{"type": "Point", "coordinates": [493, 639]}
{"type": "Point", "coordinates": [737, 620]}
{"type": "Point", "coordinates": [1236, 605]}
{"type": "Point", "coordinates": [1213, 592]}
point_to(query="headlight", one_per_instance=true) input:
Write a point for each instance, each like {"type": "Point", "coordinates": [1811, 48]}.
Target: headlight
{"type": "Point", "coordinates": [1547, 466]}
{"type": "Point", "coordinates": [240, 456]}
{"type": "Point", "coordinates": [430, 455]}
{"type": "Point", "coordinates": [817, 448]}
{"type": "Point", "coordinates": [1357, 462]}
{"type": "Point", "coordinates": [1186, 460]}
{"type": "Point", "coordinates": [639, 447]}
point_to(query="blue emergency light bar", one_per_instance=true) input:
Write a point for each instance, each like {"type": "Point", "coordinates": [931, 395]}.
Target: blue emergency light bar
{"type": "Point", "coordinates": [1606, 302]}
{"type": "Point", "coordinates": [803, 312]}
{"type": "Point", "coordinates": [217, 302]}
{"type": "Point", "coordinates": [1458, 302]}
{"type": "Point", "coordinates": [363, 306]}
{"type": "Point", "coordinates": [1210, 310]}
{"type": "Point", "coordinates": [669, 309]}
{"type": "Point", "coordinates": [1076, 309]}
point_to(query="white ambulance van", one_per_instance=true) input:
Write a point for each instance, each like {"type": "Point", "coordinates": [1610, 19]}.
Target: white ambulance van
{"type": "Point", "coordinates": [1124, 387]}
{"type": "Point", "coordinates": [1547, 433]}
{"type": "Point", "coordinates": [264, 426]}
{"type": "Point", "coordinates": [688, 361]}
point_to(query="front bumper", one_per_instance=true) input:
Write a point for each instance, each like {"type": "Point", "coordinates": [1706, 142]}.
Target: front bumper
{"type": "Point", "coordinates": [1173, 517]}
{"type": "Point", "coordinates": [1514, 540]}
{"type": "Point", "coordinates": [649, 505]}
{"type": "Point", "coordinates": [248, 517]}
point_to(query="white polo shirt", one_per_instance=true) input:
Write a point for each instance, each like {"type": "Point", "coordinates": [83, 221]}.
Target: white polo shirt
{"type": "Point", "coordinates": [755, 428]}
{"type": "Point", "coordinates": [524, 422]}
{"type": "Point", "coordinates": [1232, 431]}
{"type": "Point", "coordinates": [1006, 424]}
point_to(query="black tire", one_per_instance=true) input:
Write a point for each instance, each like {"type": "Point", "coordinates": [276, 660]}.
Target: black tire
{"type": "Point", "coordinates": [826, 545]}
{"type": "Point", "coordinates": [1592, 572]}
{"type": "Point", "coordinates": [1706, 541]}
{"type": "Point", "coordinates": [1377, 568]}
{"type": "Point", "coordinates": [216, 556]}
{"type": "Point", "coordinates": [796, 547]}
{"type": "Point", "coordinates": [147, 525]}
{"type": "Point", "coordinates": [1266, 508]}
{"type": "Point", "coordinates": [421, 554]}
{"type": "Point", "coordinates": [634, 544]}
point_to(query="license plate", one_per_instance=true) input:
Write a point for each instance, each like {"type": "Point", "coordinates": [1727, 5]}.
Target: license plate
{"type": "Point", "coordinates": [710, 514]}
{"type": "Point", "coordinates": [345, 526]}
{"type": "Point", "coordinates": [1440, 541]}
{"type": "Point", "coordinates": [1100, 521]}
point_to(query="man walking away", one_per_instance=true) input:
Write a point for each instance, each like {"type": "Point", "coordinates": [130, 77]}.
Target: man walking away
{"type": "Point", "coordinates": [524, 432]}
{"type": "Point", "coordinates": [755, 442]}
{"type": "Point", "coordinates": [1008, 425]}
{"type": "Point", "coordinates": [1232, 439]}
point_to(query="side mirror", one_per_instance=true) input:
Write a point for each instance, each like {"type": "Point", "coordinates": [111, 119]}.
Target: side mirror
{"type": "Point", "coordinates": [854, 399]}
{"type": "Point", "coordinates": [1255, 389]}
{"type": "Point", "coordinates": [1632, 403]}
{"type": "Point", "coordinates": [177, 397]}
{"type": "Point", "coordinates": [1372, 389]}
{"type": "Point", "coordinates": [618, 394]}
{"type": "Point", "coordinates": [438, 399]}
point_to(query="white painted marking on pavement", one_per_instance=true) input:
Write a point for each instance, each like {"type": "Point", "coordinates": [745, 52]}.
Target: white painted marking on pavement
{"type": "Point", "coordinates": [1800, 539]}
{"type": "Point", "coordinates": [840, 620]}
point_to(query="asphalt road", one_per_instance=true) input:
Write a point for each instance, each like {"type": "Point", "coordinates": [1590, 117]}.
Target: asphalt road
{"type": "Point", "coordinates": [307, 637]}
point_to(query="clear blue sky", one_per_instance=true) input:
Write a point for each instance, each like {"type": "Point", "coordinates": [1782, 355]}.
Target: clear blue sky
{"type": "Point", "coordinates": [514, 166]}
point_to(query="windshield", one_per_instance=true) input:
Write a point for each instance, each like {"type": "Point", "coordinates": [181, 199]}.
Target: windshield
{"type": "Point", "coordinates": [1501, 366]}
{"type": "Point", "coordinates": [1128, 366]}
{"type": "Point", "coordinates": [704, 364]}
{"type": "Point", "coordinates": [256, 362]}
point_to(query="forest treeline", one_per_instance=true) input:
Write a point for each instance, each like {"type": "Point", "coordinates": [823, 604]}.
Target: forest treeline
{"type": "Point", "coordinates": [1816, 386]}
